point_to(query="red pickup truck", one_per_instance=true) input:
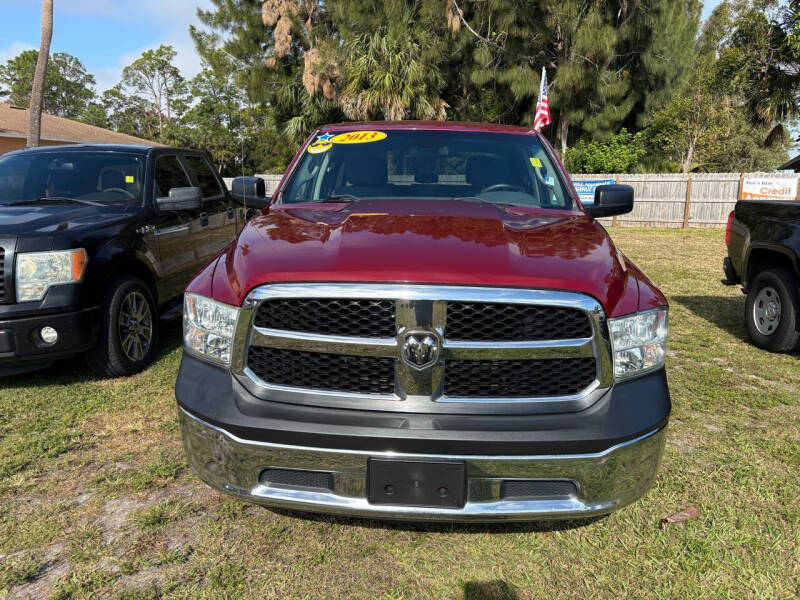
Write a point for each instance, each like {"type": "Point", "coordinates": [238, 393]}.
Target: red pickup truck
{"type": "Point", "coordinates": [425, 323]}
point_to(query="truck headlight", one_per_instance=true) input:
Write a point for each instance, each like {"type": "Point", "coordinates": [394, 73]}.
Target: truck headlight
{"type": "Point", "coordinates": [208, 327]}
{"type": "Point", "coordinates": [38, 271]}
{"type": "Point", "coordinates": [639, 342]}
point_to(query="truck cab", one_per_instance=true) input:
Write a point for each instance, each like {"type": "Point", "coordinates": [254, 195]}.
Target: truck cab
{"type": "Point", "coordinates": [95, 241]}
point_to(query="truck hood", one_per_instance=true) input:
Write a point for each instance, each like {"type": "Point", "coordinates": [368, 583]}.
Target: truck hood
{"type": "Point", "coordinates": [56, 218]}
{"type": "Point", "coordinates": [425, 241]}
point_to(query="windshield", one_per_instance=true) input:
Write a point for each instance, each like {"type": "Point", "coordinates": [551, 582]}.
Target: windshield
{"type": "Point", "coordinates": [81, 177]}
{"type": "Point", "coordinates": [490, 167]}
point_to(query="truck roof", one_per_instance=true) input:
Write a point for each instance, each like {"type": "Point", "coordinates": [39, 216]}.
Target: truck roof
{"type": "Point", "coordinates": [428, 125]}
{"type": "Point", "coordinates": [129, 148]}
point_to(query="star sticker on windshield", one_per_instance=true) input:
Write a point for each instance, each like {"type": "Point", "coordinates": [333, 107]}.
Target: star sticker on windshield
{"type": "Point", "coordinates": [324, 137]}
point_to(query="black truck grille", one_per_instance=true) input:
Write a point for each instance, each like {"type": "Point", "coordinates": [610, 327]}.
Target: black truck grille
{"type": "Point", "coordinates": [518, 378]}
{"type": "Point", "coordinates": [318, 371]}
{"type": "Point", "coordinates": [477, 321]}
{"type": "Point", "coordinates": [329, 316]}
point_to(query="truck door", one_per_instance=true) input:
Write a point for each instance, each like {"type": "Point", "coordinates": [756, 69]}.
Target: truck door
{"type": "Point", "coordinates": [179, 233]}
{"type": "Point", "coordinates": [217, 204]}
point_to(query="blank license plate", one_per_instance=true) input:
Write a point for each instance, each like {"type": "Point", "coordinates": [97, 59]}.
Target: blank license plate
{"type": "Point", "coordinates": [416, 483]}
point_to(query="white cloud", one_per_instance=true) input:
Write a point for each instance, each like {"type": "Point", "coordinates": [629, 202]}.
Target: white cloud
{"type": "Point", "coordinates": [170, 22]}
{"type": "Point", "coordinates": [13, 50]}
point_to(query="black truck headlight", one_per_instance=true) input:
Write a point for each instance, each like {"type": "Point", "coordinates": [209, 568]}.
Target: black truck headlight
{"type": "Point", "coordinates": [39, 271]}
{"type": "Point", "coordinates": [208, 328]}
{"type": "Point", "coordinates": [639, 342]}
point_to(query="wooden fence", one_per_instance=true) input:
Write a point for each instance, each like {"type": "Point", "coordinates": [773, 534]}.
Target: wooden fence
{"type": "Point", "coordinates": [679, 200]}
{"type": "Point", "coordinates": [661, 200]}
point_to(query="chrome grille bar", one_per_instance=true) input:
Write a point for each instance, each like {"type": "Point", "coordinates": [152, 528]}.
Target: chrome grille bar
{"type": "Point", "coordinates": [423, 308]}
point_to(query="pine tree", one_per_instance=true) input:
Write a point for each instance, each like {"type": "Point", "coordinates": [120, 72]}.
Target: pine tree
{"type": "Point", "coordinates": [607, 62]}
{"type": "Point", "coordinates": [273, 49]}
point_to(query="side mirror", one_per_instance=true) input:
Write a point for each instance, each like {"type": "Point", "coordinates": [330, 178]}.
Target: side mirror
{"type": "Point", "coordinates": [250, 190]}
{"type": "Point", "coordinates": [610, 200]}
{"type": "Point", "coordinates": [181, 199]}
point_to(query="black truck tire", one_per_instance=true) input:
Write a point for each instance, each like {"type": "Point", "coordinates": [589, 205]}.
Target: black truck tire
{"type": "Point", "coordinates": [128, 339]}
{"type": "Point", "coordinates": [771, 311]}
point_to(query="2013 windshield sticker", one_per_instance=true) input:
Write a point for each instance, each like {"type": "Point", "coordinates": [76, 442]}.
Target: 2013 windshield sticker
{"type": "Point", "coordinates": [325, 142]}
{"type": "Point", "coordinates": [358, 137]}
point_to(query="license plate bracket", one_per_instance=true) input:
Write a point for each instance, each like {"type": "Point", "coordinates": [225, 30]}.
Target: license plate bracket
{"type": "Point", "coordinates": [431, 484]}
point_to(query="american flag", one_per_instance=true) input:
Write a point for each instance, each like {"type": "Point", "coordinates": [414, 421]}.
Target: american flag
{"type": "Point", "coordinates": [542, 116]}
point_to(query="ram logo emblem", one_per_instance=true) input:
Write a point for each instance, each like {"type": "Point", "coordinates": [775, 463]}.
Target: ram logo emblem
{"type": "Point", "coordinates": [420, 349]}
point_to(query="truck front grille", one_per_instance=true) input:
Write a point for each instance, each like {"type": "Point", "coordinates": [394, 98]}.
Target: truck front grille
{"type": "Point", "coordinates": [314, 370]}
{"type": "Point", "coordinates": [493, 321]}
{"type": "Point", "coordinates": [518, 378]}
{"type": "Point", "coordinates": [333, 316]}
{"type": "Point", "coordinates": [422, 348]}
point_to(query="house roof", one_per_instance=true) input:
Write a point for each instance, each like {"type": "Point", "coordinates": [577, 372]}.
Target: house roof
{"type": "Point", "coordinates": [791, 165]}
{"type": "Point", "coordinates": [14, 124]}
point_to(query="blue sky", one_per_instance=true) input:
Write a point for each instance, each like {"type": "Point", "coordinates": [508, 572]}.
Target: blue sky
{"type": "Point", "coordinates": [106, 35]}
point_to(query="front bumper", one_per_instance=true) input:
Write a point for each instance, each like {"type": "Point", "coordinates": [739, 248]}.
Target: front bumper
{"type": "Point", "coordinates": [22, 349]}
{"type": "Point", "coordinates": [604, 481]}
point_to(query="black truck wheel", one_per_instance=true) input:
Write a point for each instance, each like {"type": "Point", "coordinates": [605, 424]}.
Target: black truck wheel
{"type": "Point", "coordinates": [771, 310]}
{"type": "Point", "coordinates": [128, 330]}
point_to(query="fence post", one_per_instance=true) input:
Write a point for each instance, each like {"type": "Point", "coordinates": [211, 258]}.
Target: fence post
{"type": "Point", "coordinates": [614, 219]}
{"type": "Point", "coordinates": [739, 189]}
{"type": "Point", "coordinates": [687, 206]}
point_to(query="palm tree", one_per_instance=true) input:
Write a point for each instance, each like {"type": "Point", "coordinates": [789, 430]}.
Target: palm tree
{"type": "Point", "coordinates": [772, 78]}
{"type": "Point", "coordinates": [37, 93]}
{"type": "Point", "coordinates": [392, 74]}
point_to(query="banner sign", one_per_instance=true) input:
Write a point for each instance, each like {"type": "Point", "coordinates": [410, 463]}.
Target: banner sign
{"type": "Point", "coordinates": [586, 188]}
{"type": "Point", "coordinates": [769, 188]}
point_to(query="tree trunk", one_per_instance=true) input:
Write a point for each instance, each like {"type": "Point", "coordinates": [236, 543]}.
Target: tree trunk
{"type": "Point", "coordinates": [687, 162]}
{"type": "Point", "coordinates": [563, 131]}
{"type": "Point", "coordinates": [37, 92]}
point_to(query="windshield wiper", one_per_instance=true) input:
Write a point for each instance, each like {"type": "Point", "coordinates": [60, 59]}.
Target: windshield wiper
{"type": "Point", "coordinates": [54, 200]}
{"type": "Point", "coordinates": [342, 198]}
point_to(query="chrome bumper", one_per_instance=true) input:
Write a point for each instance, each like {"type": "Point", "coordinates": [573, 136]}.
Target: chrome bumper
{"type": "Point", "coordinates": [605, 480]}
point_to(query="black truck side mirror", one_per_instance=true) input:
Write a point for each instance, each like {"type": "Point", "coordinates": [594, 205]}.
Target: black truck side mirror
{"type": "Point", "coordinates": [181, 199]}
{"type": "Point", "coordinates": [610, 200]}
{"type": "Point", "coordinates": [250, 190]}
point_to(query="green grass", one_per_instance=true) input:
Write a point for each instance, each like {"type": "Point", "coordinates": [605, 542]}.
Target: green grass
{"type": "Point", "coordinates": [96, 498]}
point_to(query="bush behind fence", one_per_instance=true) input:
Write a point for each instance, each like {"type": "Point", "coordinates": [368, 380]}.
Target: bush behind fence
{"type": "Point", "coordinates": [662, 199]}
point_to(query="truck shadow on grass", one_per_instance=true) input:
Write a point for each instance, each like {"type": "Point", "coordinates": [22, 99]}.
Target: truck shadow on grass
{"type": "Point", "coordinates": [725, 312]}
{"type": "Point", "coordinates": [75, 370]}
{"type": "Point", "coordinates": [489, 590]}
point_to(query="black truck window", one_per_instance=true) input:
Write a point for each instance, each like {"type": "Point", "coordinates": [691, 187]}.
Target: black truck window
{"type": "Point", "coordinates": [169, 174]}
{"type": "Point", "coordinates": [204, 176]}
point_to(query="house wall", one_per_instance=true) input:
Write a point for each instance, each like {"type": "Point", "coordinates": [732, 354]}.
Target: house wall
{"type": "Point", "coordinates": [7, 144]}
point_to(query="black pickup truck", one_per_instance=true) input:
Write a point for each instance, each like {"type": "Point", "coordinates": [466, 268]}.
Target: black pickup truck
{"type": "Point", "coordinates": [763, 239]}
{"type": "Point", "coordinates": [96, 241]}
